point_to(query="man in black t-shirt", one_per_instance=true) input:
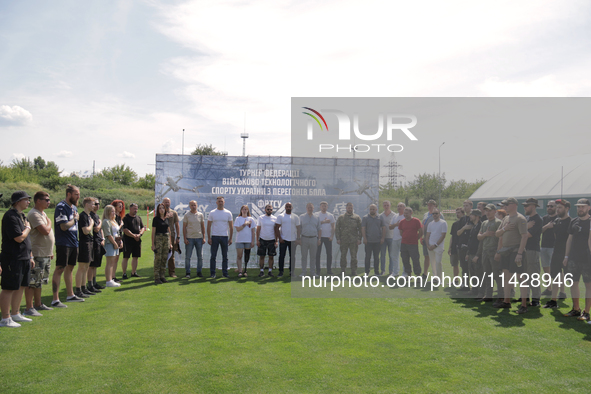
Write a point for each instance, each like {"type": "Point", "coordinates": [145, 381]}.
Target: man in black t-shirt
{"type": "Point", "coordinates": [532, 248]}
{"type": "Point", "coordinates": [472, 258]}
{"type": "Point", "coordinates": [560, 227]}
{"type": "Point", "coordinates": [577, 258]}
{"type": "Point", "coordinates": [453, 243]}
{"type": "Point", "coordinates": [85, 248]}
{"type": "Point", "coordinates": [98, 242]}
{"type": "Point", "coordinates": [463, 236]}
{"type": "Point", "coordinates": [133, 229]}
{"type": "Point", "coordinates": [17, 260]}
{"type": "Point", "coordinates": [548, 240]}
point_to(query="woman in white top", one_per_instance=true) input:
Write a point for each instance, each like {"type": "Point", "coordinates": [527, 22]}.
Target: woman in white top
{"type": "Point", "coordinates": [110, 230]}
{"type": "Point", "coordinates": [245, 228]}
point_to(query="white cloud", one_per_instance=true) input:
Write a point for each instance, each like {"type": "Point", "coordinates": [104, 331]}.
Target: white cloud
{"type": "Point", "coordinates": [127, 155]}
{"type": "Point", "coordinates": [168, 146]}
{"type": "Point", "coordinates": [14, 116]}
{"type": "Point", "coordinates": [65, 153]}
{"type": "Point", "coordinates": [18, 156]}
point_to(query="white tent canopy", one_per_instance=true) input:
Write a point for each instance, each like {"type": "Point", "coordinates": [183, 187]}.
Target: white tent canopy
{"type": "Point", "coordinates": [565, 177]}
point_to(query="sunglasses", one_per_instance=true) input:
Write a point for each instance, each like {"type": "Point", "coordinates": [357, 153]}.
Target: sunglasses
{"type": "Point", "coordinates": [46, 199]}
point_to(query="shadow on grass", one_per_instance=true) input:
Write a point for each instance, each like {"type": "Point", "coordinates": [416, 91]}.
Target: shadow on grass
{"type": "Point", "coordinates": [571, 323]}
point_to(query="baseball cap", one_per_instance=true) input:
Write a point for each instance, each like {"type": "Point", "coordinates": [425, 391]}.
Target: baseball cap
{"type": "Point", "coordinates": [476, 212]}
{"type": "Point", "coordinates": [531, 201]}
{"type": "Point", "coordinates": [502, 203]}
{"type": "Point", "coordinates": [582, 202]}
{"type": "Point", "coordinates": [491, 207]}
{"type": "Point", "coordinates": [511, 200]}
{"type": "Point", "coordinates": [561, 202]}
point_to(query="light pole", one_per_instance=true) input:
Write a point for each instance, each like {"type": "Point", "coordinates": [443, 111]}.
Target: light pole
{"type": "Point", "coordinates": [439, 178]}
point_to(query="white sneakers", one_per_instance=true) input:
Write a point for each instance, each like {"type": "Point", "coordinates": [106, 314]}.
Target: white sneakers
{"type": "Point", "coordinates": [19, 318]}
{"type": "Point", "coordinates": [9, 323]}
{"type": "Point", "coordinates": [112, 283]}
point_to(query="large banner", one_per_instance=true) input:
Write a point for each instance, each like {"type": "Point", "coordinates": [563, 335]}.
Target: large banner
{"type": "Point", "coordinates": [260, 180]}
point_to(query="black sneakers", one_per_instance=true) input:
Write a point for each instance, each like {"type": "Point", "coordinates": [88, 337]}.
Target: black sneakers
{"type": "Point", "coordinates": [135, 275]}
{"type": "Point", "coordinates": [551, 304]}
{"type": "Point", "coordinates": [573, 313]}
{"type": "Point", "coordinates": [522, 309]}
{"type": "Point", "coordinates": [535, 302]}
{"type": "Point", "coordinates": [124, 277]}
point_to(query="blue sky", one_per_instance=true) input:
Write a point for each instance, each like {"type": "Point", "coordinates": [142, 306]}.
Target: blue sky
{"type": "Point", "coordinates": [117, 81]}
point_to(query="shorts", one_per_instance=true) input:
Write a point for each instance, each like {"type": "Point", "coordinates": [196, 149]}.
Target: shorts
{"type": "Point", "coordinates": [556, 266]}
{"type": "Point", "coordinates": [267, 248]}
{"type": "Point", "coordinates": [454, 260]}
{"type": "Point", "coordinates": [508, 262]}
{"type": "Point", "coordinates": [40, 274]}
{"type": "Point", "coordinates": [85, 252]}
{"type": "Point", "coordinates": [579, 269]}
{"type": "Point", "coordinates": [111, 251]}
{"type": "Point", "coordinates": [97, 255]}
{"type": "Point", "coordinates": [15, 273]}
{"type": "Point", "coordinates": [65, 256]}
{"type": "Point", "coordinates": [546, 256]}
{"type": "Point", "coordinates": [242, 245]}
{"type": "Point", "coordinates": [131, 248]}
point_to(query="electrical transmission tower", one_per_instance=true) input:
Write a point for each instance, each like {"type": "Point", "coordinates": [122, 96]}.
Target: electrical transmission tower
{"type": "Point", "coordinates": [394, 177]}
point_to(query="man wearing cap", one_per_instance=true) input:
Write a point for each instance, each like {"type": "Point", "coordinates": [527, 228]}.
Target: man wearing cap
{"type": "Point", "coordinates": [532, 249]}
{"type": "Point", "coordinates": [428, 218]}
{"type": "Point", "coordinates": [66, 245]}
{"type": "Point", "coordinates": [327, 225]}
{"type": "Point", "coordinates": [434, 239]}
{"type": "Point", "coordinates": [17, 260]}
{"type": "Point", "coordinates": [576, 258]}
{"type": "Point", "coordinates": [548, 240]}
{"type": "Point", "coordinates": [348, 235]}
{"type": "Point", "coordinates": [489, 245]}
{"type": "Point", "coordinates": [560, 226]}
{"type": "Point", "coordinates": [472, 257]}
{"type": "Point", "coordinates": [42, 241]}
{"type": "Point", "coordinates": [463, 234]}
{"type": "Point", "coordinates": [513, 236]}
{"type": "Point", "coordinates": [453, 242]}
{"type": "Point", "coordinates": [133, 229]}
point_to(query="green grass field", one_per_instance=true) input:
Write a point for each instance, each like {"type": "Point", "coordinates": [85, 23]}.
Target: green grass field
{"type": "Point", "coordinates": [250, 335]}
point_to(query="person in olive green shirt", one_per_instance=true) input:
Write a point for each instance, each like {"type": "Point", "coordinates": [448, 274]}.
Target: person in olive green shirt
{"type": "Point", "coordinates": [348, 235]}
{"type": "Point", "coordinates": [487, 249]}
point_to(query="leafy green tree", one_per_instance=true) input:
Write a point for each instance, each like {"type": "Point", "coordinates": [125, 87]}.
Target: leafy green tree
{"type": "Point", "coordinates": [120, 174]}
{"type": "Point", "coordinates": [146, 182]}
{"type": "Point", "coordinates": [207, 150]}
{"type": "Point", "coordinates": [427, 186]}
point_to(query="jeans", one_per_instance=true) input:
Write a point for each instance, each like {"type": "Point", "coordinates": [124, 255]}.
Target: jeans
{"type": "Point", "coordinates": [328, 246]}
{"type": "Point", "coordinates": [372, 248]}
{"type": "Point", "coordinates": [408, 252]}
{"type": "Point", "coordinates": [283, 248]}
{"type": "Point", "coordinates": [309, 247]}
{"type": "Point", "coordinates": [393, 247]}
{"type": "Point", "coordinates": [196, 243]}
{"type": "Point", "coordinates": [217, 241]}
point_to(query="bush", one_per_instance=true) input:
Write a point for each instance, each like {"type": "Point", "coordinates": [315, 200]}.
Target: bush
{"type": "Point", "coordinates": [415, 205]}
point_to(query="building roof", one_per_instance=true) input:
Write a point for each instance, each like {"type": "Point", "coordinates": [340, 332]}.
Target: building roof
{"type": "Point", "coordinates": [540, 180]}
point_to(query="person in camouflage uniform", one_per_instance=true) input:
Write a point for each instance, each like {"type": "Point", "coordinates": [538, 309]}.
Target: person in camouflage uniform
{"type": "Point", "coordinates": [487, 249]}
{"type": "Point", "coordinates": [348, 235]}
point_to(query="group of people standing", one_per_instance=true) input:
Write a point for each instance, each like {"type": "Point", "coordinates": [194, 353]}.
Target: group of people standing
{"type": "Point", "coordinates": [79, 238]}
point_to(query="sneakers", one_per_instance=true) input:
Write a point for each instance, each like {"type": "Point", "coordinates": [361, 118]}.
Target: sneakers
{"type": "Point", "coordinates": [522, 309]}
{"type": "Point", "coordinates": [116, 280]}
{"type": "Point", "coordinates": [98, 287]}
{"type": "Point", "coordinates": [93, 289]}
{"type": "Point", "coordinates": [535, 302]}
{"type": "Point", "coordinates": [261, 274]}
{"type": "Point", "coordinates": [135, 275]}
{"type": "Point", "coordinates": [584, 316]}
{"type": "Point", "coordinates": [19, 318]}
{"type": "Point", "coordinates": [79, 294]}
{"type": "Point", "coordinates": [188, 276]}
{"type": "Point", "coordinates": [551, 304]}
{"type": "Point", "coordinates": [547, 292]}
{"type": "Point", "coordinates": [43, 307]}
{"type": "Point", "coordinates": [58, 304]}
{"type": "Point", "coordinates": [74, 298]}
{"type": "Point", "coordinates": [32, 312]}
{"type": "Point", "coordinates": [270, 274]}
{"type": "Point", "coordinates": [87, 291]}
{"type": "Point", "coordinates": [199, 275]}
{"type": "Point", "coordinates": [172, 275]}
{"type": "Point", "coordinates": [124, 277]}
{"type": "Point", "coordinates": [225, 275]}
{"type": "Point", "coordinates": [112, 283]}
{"type": "Point", "coordinates": [212, 276]}
{"type": "Point", "coordinates": [280, 274]}
{"type": "Point", "coordinates": [573, 313]}
{"type": "Point", "coordinates": [9, 323]}
{"type": "Point", "coordinates": [503, 305]}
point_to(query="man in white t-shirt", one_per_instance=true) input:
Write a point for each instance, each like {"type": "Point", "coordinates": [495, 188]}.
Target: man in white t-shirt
{"type": "Point", "coordinates": [266, 239]}
{"type": "Point", "coordinates": [394, 251]}
{"type": "Point", "coordinates": [436, 233]}
{"type": "Point", "coordinates": [219, 223]}
{"type": "Point", "coordinates": [327, 224]}
{"type": "Point", "coordinates": [287, 230]}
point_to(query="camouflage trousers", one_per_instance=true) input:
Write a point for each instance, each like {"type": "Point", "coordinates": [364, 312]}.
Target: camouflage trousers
{"type": "Point", "coordinates": [350, 247]}
{"type": "Point", "coordinates": [160, 255]}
